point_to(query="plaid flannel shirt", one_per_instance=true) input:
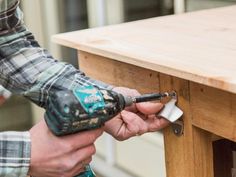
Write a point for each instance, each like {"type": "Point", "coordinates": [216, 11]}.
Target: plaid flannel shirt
{"type": "Point", "coordinates": [29, 70]}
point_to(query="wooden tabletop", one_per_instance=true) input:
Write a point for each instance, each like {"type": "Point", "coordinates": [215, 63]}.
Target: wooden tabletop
{"type": "Point", "coordinates": [198, 46]}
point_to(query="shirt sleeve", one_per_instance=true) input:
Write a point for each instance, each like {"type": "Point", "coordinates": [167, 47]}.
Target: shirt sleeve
{"type": "Point", "coordinates": [29, 70]}
{"type": "Point", "coordinates": [14, 154]}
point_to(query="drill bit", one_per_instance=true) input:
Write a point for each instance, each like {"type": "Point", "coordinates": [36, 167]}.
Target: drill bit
{"type": "Point", "coordinates": [149, 97]}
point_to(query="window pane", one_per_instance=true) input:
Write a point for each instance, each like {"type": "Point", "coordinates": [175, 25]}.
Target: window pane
{"type": "Point", "coordinates": [139, 9]}
{"type": "Point", "coordinates": [206, 4]}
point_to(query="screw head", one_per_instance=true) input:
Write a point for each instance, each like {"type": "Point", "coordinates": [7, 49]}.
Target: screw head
{"type": "Point", "coordinates": [178, 127]}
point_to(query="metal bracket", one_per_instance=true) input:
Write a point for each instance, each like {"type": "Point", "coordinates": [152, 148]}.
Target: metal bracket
{"type": "Point", "coordinates": [173, 113]}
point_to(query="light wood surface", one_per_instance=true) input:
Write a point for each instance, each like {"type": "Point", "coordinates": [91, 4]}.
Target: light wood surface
{"type": "Point", "coordinates": [198, 46]}
{"type": "Point", "coordinates": [118, 73]}
{"type": "Point", "coordinates": [194, 54]}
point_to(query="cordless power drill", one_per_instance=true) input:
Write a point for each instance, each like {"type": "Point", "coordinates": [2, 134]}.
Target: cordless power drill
{"type": "Point", "coordinates": [86, 108]}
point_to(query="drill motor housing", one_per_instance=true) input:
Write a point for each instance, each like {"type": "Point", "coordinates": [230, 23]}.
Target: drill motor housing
{"type": "Point", "coordinates": [80, 109]}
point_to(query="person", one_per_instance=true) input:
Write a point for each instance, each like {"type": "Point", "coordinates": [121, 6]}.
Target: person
{"type": "Point", "coordinates": [29, 70]}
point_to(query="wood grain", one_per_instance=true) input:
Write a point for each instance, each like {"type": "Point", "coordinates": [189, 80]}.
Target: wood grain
{"type": "Point", "coordinates": [189, 155]}
{"type": "Point", "coordinates": [178, 150]}
{"type": "Point", "coordinates": [214, 110]}
{"type": "Point", "coordinates": [118, 73]}
{"type": "Point", "coordinates": [198, 46]}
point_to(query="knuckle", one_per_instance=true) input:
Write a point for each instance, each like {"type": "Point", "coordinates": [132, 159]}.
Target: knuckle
{"type": "Point", "coordinates": [72, 146]}
{"type": "Point", "coordinates": [92, 137]}
{"type": "Point", "coordinates": [66, 146]}
{"type": "Point", "coordinates": [89, 160]}
{"type": "Point", "coordinates": [65, 174]}
{"type": "Point", "coordinates": [120, 137]}
{"type": "Point", "coordinates": [67, 166]}
{"type": "Point", "coordinates": [100, 132]}
{"type": "Point", "coordinates": [92, 149]}
{"type": "Point", "coordinates": [144, 130]}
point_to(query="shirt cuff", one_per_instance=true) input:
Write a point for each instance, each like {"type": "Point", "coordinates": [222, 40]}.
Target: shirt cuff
{"type": "Point", "coordinates": [15, 148]}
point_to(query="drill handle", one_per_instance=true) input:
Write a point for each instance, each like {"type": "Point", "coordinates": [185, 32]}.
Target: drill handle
{"type": "Point", "coordinates": [87, 173]}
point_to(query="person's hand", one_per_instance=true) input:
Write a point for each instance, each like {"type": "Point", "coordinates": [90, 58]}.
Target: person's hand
{"type": "Point", "coordinates": [136, 119]}
{"type": "Point", "coordinates": [2, 100]}
{"type": "Point", "coordinates": [66, 156]}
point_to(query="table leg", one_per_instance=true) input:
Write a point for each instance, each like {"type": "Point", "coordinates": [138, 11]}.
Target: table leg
{"type": "Point", "coordinates": [189, 155]}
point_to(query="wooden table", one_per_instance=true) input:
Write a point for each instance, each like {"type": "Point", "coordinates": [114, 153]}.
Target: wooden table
{"type": "Point", "coordinates": [194, 54]}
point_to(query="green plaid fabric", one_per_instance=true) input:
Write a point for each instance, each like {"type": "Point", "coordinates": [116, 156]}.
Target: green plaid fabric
{"type": "Point", "coordinates": [10, 16]}
{"type": "Point", "coordinates": [14, 154]}
{"type": "Point", "coordinates": [7, 4]}
{"type": "Point", "coordinates": [28, 70]}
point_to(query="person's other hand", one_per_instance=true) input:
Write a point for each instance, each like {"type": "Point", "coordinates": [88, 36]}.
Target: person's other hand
{"type": "Point", "coordinates": [136, 119]}
{"type": "Point", "coordinates": [66, 156]}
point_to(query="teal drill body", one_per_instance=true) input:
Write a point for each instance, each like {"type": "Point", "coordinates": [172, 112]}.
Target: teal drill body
{"type": "Point", "coordinates": [84, 108]}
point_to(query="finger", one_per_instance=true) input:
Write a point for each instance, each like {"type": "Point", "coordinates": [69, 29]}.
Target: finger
{"type": "Point", "coordinates": [149, 107]}
{"type": "Point", "coordinates": [134, 123]}
{"type": "Point", "coordinates": [81, 139]}
{"type": "Point", "coordinates": [80, 167]}
{"type": "Point", "coordinates": [132, 108]}
{"type": "Point", "coordinates": [155, 124]}
{"type": "Point", "coordinates": [114, 124]}
{"type": "Point", "coordinates": [78, 158]}
{"type": "Point", "coordinates": [83, 154]}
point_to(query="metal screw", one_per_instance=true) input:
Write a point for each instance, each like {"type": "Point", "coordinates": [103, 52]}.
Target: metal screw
{"type": "Point", "coordinates": [178, 127]}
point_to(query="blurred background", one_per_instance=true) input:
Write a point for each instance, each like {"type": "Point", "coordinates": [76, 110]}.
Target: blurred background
{"type": "Point", "coordinates": [45, 18]}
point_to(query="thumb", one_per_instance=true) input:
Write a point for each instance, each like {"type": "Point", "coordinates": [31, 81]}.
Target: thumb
{"type": "Point", "coordinates": [149, 107]}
